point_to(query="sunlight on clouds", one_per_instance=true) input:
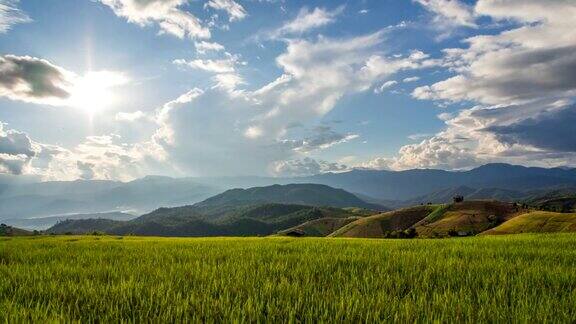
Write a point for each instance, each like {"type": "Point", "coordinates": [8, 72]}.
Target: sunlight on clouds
{"type": "Point", "coordinates": [94, 91]}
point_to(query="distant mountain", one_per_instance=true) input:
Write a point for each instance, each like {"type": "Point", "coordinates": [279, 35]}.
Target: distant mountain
{"type": "Point", "coordinates": [254, 220]}
{"type": "Point", "coordinates": [24, 198]}
{"type": "Point", "coordinates": [44, 199]}
{"type": "Point", "coordinates": [555, 199]}
{"type": "Point", "coordinates": [303, 194]}
{"type": "Point", "coordinates": [42, 223]}
{"type": "Point", "coordinates": [446, 195]}
{"type": "Point", "coordinates": [406, 185]}
{"type": "Point", "coordinates": [253, 211]}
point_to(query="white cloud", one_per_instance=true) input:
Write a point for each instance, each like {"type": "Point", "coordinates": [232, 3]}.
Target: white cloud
{"type": "Point", "coordinates": [103, 157]}
{"type": "Point", "coordinates": [304, 167]}
{"type": "Point", "coordinates": [418, 137]}
{"type": "Point", "coordinates": [10, 15]}
{"type": "Point", "coordinates": [229, 130]}
{"type": "Point", "coordinates": [216, 66]}
{"type": "Point", "coordinates": [16, 151]}
{"type": "Point", "coordinates": [449, 13]}
{"type": "Point", "coordinates": [166, 13]}
{"type": "Point", "coordinates": [307, 20]}
{"type": "Point", "coordinates": [522, 81]}
{"type": "Point", "coordinates": [130, 116]}
{"type": "Point", "coordinates": [385, 86]}
{"type": "Point", "coordinates": [235, 11]}
{"type": "Point", "coordinates": [203, 47]}
{"type": "Point", "coordinates": [411, 79]}
{"type": "Point", "coordinates": [524, 78]}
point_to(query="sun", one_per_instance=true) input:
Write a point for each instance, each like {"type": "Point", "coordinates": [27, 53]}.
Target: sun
{"type": "Point", "coordinates": [94, 91]}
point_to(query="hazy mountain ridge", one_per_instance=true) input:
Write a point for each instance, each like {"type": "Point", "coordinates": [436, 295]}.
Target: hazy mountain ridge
{"type": "Point", "coordinates": [42, 223]}
{"type": "Point", "coordinates": [23, 198]}
{"type": "Point", "coordinates": [254, 211]}
{"type": "Point", "coordinates": [80, 197]}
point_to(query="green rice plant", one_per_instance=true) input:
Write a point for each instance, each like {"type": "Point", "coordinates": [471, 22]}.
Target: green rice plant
{"type": "Point", "coordinates": [520, 278]}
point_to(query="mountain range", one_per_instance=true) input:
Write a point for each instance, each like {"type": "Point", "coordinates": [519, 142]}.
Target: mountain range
{"type": "Point", "coordinates": [26, 198]}
{"type": "Point", "coordinates": [238, 212]}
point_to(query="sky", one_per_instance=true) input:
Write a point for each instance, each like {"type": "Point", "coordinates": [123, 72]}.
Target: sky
{"type": "Point", "coordinates": [121, 89]}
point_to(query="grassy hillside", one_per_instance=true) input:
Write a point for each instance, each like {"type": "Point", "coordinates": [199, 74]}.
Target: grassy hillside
{"type": "Point", "coordinates": [493, 279]}
{"type": "Point", "coordinates": [319, 227]}
{"type": "Point", "coordinates": [537, 222]}
{"type": "Point", "coordinates": [466, 218]}
{"type": "Point", "coordinates": [6, 230]}
{"type": "Point", "coordinates": [262, 219]}
{"type": "Point", "coordinates": [377, 225]}
{"type": "Point", "coordinates": [561, 204]}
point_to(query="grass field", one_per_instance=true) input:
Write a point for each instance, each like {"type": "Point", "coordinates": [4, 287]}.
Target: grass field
{"type": "Point", "coordinates": [520, 278]}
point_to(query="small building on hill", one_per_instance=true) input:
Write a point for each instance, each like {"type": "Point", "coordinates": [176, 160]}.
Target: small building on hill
{"type": "Point", "coordinates": [295, 233]}
{"type": "Point", "coordinates": [458, 199]}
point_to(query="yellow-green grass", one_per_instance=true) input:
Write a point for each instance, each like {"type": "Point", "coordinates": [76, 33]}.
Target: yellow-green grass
{"type": "Point", "coordinates": [537, 222]}
{"type": "Point", "coordinates": [375, 226]}
{"type": "Point", "coordinates": [320, 227]}
{"type": "Point", "coordinates": [472, 217]}
{"type": "Point", "coordinates": [517, 278]}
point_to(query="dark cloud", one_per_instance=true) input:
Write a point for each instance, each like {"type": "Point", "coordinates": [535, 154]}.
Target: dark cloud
{"type": "Point", "coordinates": [322, 137]}
{"type": "Point", "coordinates": [32, 79]}
{"type": "Point", "coordinates": [86, 170]}
{"type": "Point", "coordinates": [553, 131]}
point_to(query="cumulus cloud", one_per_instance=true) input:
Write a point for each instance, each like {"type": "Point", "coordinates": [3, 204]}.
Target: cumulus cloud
{"type": "Point", "coordinates": [234, 10]}
{"type": "Point", "coordinates": [307, 20]}
{"type": "Point", "coordinates": [10, 15]}
{"type": "Point", "coordinates": [104, 157]}
{"type": "Point", "coordinates": [16, 151]}
{"type": "Point", "coordinates": [304, 167]}
{"type": "Point", "coordinates": [217, 66]}
{"type": "Point", "coordinates": [32, 79]}
{"type": "Point", "coordinates": [523, 83]}
{"type": "Point", "coordinates": [130, 116]}
{"type": "Point", "coordinates": [226, 129]}
{"type": "Point", "coordinates": [167, 14]}
{"type": "Point", "coordinates": [203, 47]}
{"type": "Point", "coordinates": [448, 14]}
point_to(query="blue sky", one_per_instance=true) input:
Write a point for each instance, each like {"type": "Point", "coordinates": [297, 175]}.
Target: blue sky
{"type": "Point", "coordinates": [118, 89]}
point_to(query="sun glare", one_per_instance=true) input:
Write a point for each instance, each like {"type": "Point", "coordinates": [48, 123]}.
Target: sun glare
{"type": "Point", "coordinates": [94, 91]}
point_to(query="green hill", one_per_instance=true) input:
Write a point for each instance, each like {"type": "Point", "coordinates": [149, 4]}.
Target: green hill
{"type": "Point", "coordinates": [297, 194]}
{"type": "Point", "coordinates": [263, 219]}
{"type": "Point", "coordinates": [378, 225]}
{"type": "Point", "coordinates": [467, 218]}
{"type": "Point", "coordinates": [327, 225]}
{"type": "Point", "coordinates": [560, 204]}
{"type": "Point", "coordinates": [6, 230]}
{"type": "Point", "coordinates": [536, 222]}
